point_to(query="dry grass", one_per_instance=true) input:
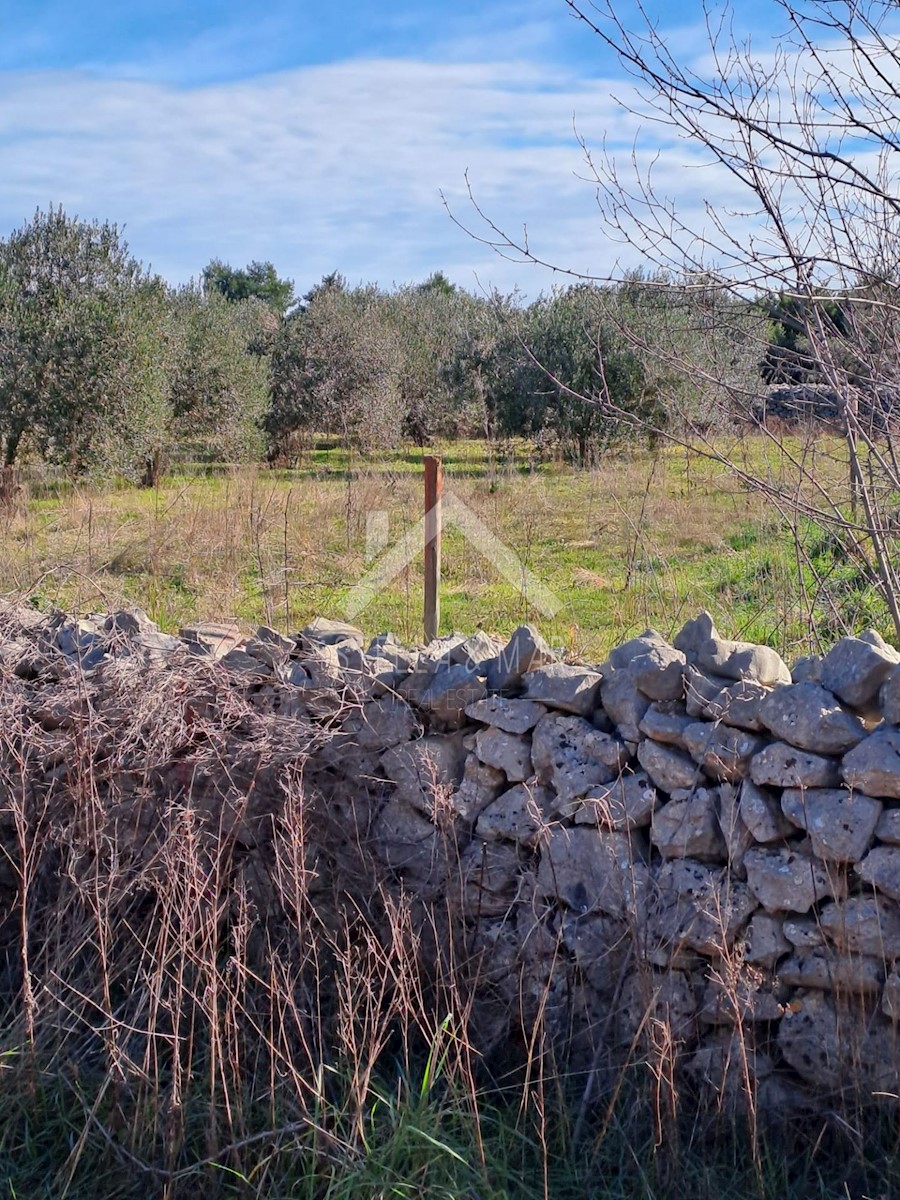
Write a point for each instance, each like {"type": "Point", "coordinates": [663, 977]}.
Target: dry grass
{"type": "Point", "coordinates": [645, 539]}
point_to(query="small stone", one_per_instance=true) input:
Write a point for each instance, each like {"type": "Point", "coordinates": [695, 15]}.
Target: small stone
{"type": "Point", "coordinates": [821, 968]}
{"type": "Point", "coordinates": [723, 753]}
{"type": "Point", "coordinates": [624, 704]}
{"type": "Point", "coordinates": [215, 638]}
{"type": "Point", "coordinates": [761, 813]}
{"type": "Point", "coordinates": [787, 880]}
{"type": "Point", "coordinates": [888, 827]}
{"type": "Point", "coordinates": [658, 672]}
{"type": "Point", "coordinates": [665, 723]}
{"type": "Point", "coordinates": [520, 814]}
{"type": "Point", "coordinates": [383, 723]}
{"type": "Point", "coordinates": [667, 998]}
{"type": "Point", "coordinates": [694, 634]}
{"type": "Point", "coordinates": [476, 651]}
{"type": "Point", "coordinates": [508, 752]}
{"type": "Point", "coordinates": [451, 690]}
{"type": "Point", "coordinates": [738, 705]}
{"type": "Point", "coordinates": [864, 925]}
{"type": "Point", "coordinates": [812, 1037]}
{"type": "Point", "coordinates": [701, 690]}
{"type": "Point", "coordinates": [571, 756]}
{"type": "Point", "coordinates": [324, 632]}
{"type": "Point", "coordinates": [890, 997]}
{"type": "Point", "coordinates": [387, 646]}
{"type": "Point", "coordinates": [589, 870]}
{"type": "Point", "coordinates": [689, 828]}
{"type": "Point", "coordinates": [425, 770]}
{"type": "Point", "coordinates": [809, 717]}
{"type": "Point", "coordinates": [695, 907]}
{"type": "Point", "coordinates": [889, 698]}
{"type": "Point", "coordinates": [803, 932]}
{"type": "Point", "coordinates": [512, 716]}
{"type": "Point", "coordinates": [668, 768]}
{"type": "Point", "coordinates": [409, 843]}
{"type": "Point", "coordinates": [524, 651]}
{"type": "Point", "coordinates": [488, 873]}
{"type": "Point", "coordinates": [559, 686]}
{"type": "Point", "coordinates": [873, 766]}
{"type": "Point", "coordinates": [841, 824]}
{"type": "Point", "coordinates": [881, 868]}
{"type": "Point", "coordinates": [480, 785]}
{"type": "Point", "coordinates": [764, 941]}
{"type": "Point", "coordinates": [621, 657]}
{"type": "Point", "coordinates": [627, 803]}
{"type": "Point", "coordinates": [740, 660]}
{"type": "Point", "coordinates": [783, 765]}
{"type": "Point", "coordinates": [807, 669]}
{"type": "Point", "coordinates": [741, 999]}
{"type": "Point", "coordinates": [855, 670]}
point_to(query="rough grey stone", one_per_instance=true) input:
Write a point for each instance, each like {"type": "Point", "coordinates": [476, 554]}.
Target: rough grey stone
{"type": "Point", "coordinates": [889, 698]}
{"type": "Point", "coordinates": [738, 705]}
{"type": "Point", "coordinates": [782, 765]}
{"type": "Point", "coordinates": [407, 842]}
{"type": "Point", "coordinates": [738, 838]}
{"type": "Point", "coordinates": [668, 768]}
{"type": "Point", "coordinates": [840, 823]}
{"type": "Point", "coordinates": [700, 690]}
{"type": "Point", "coordinates": [627, 803]}
{"type": "Point", "coordinates": [803, 932]}
{"type": "Point", "coordinates": [761, 813]}
{"type": "Point", "coordinates": [330, 633]}
{"type": "Point", "coordinates": [508, 752]}
{"type": "Point", "coordinates": [383, 723]}
{"type": "Point", "coordinates": [787, 880]}
{"type": "Point", "coordinates": [387, 646]}
{"type": "Point", "coordinates": [658, 672]}
{"type": "Point", "coordinates": [888, 827]}
{"type": "Point", "coordinates": [741, 998]}
{"type": "Point", "coordinates": [742, 660]}
{"type": "Point", "coordinates": [855, 670]}
{"type": "Point", "coordinates": [723, 753]}
{"type": "Point", "coordinates": [512, 716]}
{"type": "Point", "coordinates": [572, 756]}
{"type": "Point", "coordinates": [590, 870]}
{"type": "Point", "coordinates": [476, 651]}
{"type": "Point", "coordinates": [624, 704]}
{"type": "Point", "coordinates": [695, 907]}
{"type": "Point", "coordinates": [667, 997]}
{"type": "Point", "coordinates": [621, 657]}
{"type": "Point", "coordinates": [488, 873]}
{"type": "Point", "coordinates": [808, 669]}
{"type": "Point", "coordinates": [524, 651]}
{"type": "Point", "coordinates": [694, 634]}
{"type": "Point", "coordinates": [480, 785]}
{"type": "Point", "coordinates": [425, 770]}
{"type": "Point", "coordinates": [864, 925]}
{"type": "Point", "coordinates": [813, 1037]}
{"type": "Point", "coordinates": [881, 868]}
{"type": "Point", "coordinates": [665, 723]}
{"type": "Point", "coordinates": [764, 941]}
{"type": "Point", "coordinates": [215, 638]}
{"type": "Point", "coordinates": [809, 717]}
{"type": "Point", "coordinates": [520, 814]}
{"type": "Point", "coordinates": [451, 689]}
{"type": "Point", "coordinates": [890, 997]}
{"type": "Point", "coordinates": [689, 828]}
{"type": "Point", "coordinates": [874, 765]}
{"type": "Point", "coordinates": [821, 968]}
{"type": "Point", "coordinates": [560, 686]}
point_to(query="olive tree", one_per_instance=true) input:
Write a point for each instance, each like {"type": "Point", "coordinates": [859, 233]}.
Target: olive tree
{"type": "Point", "coordinates": [83, 346]}
{"type": "Point", "coordinates": [336, 369]}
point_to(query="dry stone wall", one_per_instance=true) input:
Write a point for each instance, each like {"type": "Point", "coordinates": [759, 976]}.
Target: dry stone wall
{"type": "Point", "coordinates": [690, 836]}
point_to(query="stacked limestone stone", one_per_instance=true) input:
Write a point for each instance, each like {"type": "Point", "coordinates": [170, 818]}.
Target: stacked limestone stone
{"type": "Point", "coordinates": [688, 834]}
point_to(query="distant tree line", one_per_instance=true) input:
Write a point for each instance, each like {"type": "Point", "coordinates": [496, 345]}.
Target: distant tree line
{"type": "Point", "coordinates": [104, 368]}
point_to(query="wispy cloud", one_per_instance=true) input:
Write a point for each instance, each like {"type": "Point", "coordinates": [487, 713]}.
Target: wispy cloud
{"type": "Point", "coordinates": [336, 166]}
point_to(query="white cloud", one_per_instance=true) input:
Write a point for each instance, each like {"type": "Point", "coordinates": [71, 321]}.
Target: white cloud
{"type": "Point", "coordinates": [329, 167]}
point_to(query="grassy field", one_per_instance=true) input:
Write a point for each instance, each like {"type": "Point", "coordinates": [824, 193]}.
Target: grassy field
{"type": "Point", "coordinates": [645, 539]}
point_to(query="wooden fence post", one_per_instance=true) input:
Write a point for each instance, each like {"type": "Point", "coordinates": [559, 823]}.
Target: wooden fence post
{"type": "Point", "coordinates": [434, 490]}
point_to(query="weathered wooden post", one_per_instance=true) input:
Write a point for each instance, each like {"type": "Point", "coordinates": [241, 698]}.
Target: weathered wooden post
{"type": "Point", "coordinates": [434, 490]}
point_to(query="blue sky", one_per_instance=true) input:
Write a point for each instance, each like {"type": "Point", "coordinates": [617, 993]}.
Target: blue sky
{"type": "Point", "coordinates": [321, 135]}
